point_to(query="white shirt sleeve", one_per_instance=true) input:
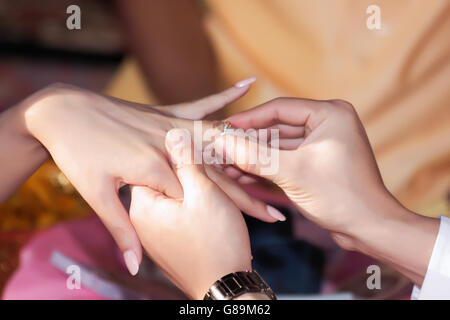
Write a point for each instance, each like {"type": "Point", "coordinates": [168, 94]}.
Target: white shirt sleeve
{"type": "Point", "coordinates": [436, 284]}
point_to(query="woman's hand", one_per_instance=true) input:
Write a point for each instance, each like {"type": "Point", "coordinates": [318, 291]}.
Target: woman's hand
{"type": "Point", "coordinates": [195, 240]}
{"type": "Point", "coordinates": [102, 143]}
{"type": "Point", "coordinates": [325, 165]}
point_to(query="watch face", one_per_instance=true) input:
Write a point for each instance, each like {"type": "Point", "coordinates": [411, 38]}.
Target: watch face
{"type": "Point", "coordinates": [232, 284]}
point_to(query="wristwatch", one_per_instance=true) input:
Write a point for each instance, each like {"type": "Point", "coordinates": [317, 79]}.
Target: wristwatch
{"type": "Point", "coordinates": [237, 283]}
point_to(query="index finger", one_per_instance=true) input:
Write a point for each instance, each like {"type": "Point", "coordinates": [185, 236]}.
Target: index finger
{"type": "Point", "coordinates": [291, 111]}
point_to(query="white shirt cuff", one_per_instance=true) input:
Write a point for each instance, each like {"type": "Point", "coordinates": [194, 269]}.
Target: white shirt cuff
{"type": "Point", "coordinates": [436, 284]}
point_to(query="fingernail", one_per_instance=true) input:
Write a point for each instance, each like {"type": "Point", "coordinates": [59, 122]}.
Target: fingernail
{"type": "Point", "coordinates": [275, 213]}
{"type": "Point", "coordinates": [245, 82]}
{"type": "Point", "coordinates": [131, 262]}
{"type": "Point", "coordinates": [175, 138]}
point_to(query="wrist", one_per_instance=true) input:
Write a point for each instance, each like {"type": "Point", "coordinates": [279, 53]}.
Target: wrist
{"type": "Point", "coordinates": [19, 130]}
{"type": "Point", "coordinates": [400, 238]}
{"type": "Point", "coordinates": [20, 153]}
{"type": "Point", "coordinates": [42, 111]}
{"type": "Point", "coordinates": [200, 291]}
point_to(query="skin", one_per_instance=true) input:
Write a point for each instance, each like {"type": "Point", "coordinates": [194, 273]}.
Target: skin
{"type": "Point", "coordinates": [324, 145]}
{"type": "Point", "coordinates": [186, 236]}
{"type": "Point", "coordinates": [319, 200]}
{"type": "Point", "coordinates": [101, 144]}
{"type": "Point", "coordinates": [327, 168]}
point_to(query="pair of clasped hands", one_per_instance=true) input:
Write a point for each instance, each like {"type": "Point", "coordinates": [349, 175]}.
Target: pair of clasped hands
{"type": "Point", "coordinates": [187, 216]}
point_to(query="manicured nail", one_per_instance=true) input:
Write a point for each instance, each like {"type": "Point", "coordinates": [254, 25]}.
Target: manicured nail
{"type": "Point", "coordinates": [275, 213]}
{"type": "Point", "coordinates": [245, 82]}
{"type": "Point", "coordinates": [175, 138]}
{"type": "Point", "coordinates": [131, 262]}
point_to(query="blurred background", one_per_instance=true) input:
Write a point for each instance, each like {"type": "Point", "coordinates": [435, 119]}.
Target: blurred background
{"type": "Point", "coordinates": [162, 52]}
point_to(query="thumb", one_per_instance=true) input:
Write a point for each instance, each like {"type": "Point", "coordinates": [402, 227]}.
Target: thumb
{"type": "Point", "coordinates": [187, 161]}
{"type": "Point", "coordinates": [248, 154]}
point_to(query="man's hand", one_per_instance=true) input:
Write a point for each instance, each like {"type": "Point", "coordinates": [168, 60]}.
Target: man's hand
{"type": "Point", "coordinates": [327, 168]}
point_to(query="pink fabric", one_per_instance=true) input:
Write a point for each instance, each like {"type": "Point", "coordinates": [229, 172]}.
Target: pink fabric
{"type": "Point", "coordinates": [86, 241]}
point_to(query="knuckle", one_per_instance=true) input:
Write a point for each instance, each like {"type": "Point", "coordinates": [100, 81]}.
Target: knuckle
{"type": "Point", "coordinates": [118, 230]}
{"type": "Point", "coordinates": [97, 194]}
{"type": "Point", "coordinates": [342, 105]}
{"type": "Point", "coordinates": [57, 85]}
{"type": "Point", "coordinates": [279, 99]}
{"type": "Point", "coordinates": [344, 109]}
{"type": "Point", "coordinates": [60, 88]}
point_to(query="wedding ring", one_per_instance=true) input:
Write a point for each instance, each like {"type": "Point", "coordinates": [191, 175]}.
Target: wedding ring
{"type": "Point", "coordinates": [226, 126]}
{"type": "Point", "coordinates": [222, 126]}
